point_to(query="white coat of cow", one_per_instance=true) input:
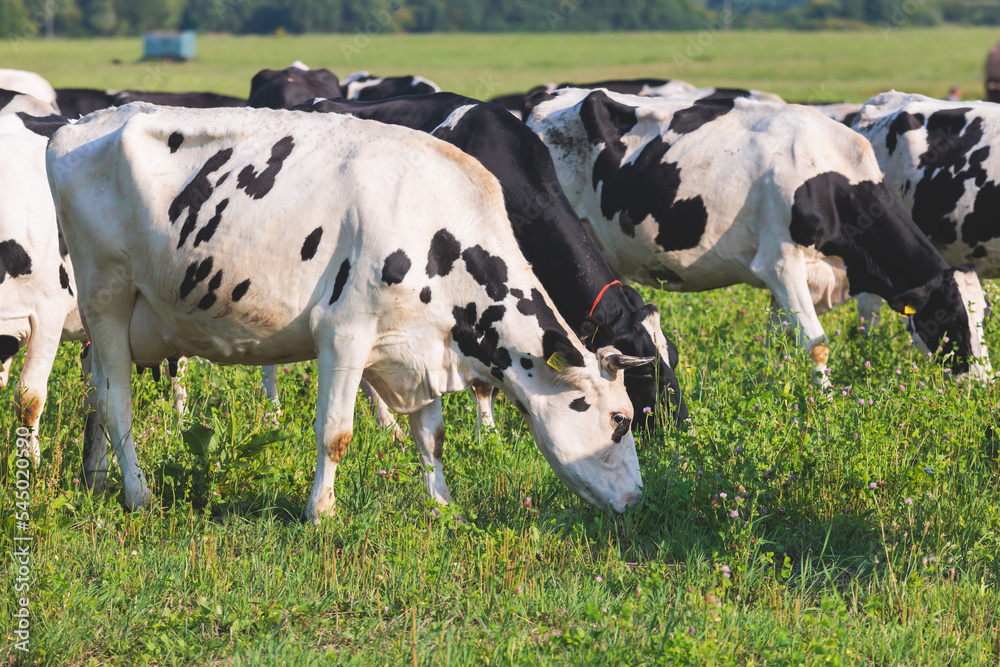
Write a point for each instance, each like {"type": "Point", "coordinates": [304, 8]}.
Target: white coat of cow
{"type": "Point", "coordinates": [690, 195]}
{"type": "Point", "coordinates": [29, 83]}
{"type": "Point", "coordinates": [389, 258]}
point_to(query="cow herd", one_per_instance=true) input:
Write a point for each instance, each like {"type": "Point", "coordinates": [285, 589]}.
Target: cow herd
{"type": "Point", "coordinates": [417, 242]}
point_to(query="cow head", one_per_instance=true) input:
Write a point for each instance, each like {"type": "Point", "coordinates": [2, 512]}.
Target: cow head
{"type": "Point", "coordinates": [582, 425]}
{"type": "Point", "coordinates": [652, 388]}
{"type": "Point", "coordinates": [297, 84]}
{"type": "Point", "coordinates": [947, 316]}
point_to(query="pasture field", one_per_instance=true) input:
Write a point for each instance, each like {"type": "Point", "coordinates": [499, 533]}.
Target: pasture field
{"type": "Point", "coordinates": [802, 66]}
{"type": "Point", "coordinates": [784, 525]}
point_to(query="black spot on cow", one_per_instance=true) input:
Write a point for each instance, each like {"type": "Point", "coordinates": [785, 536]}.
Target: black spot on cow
{"type": "Point", "coordinates": [425, 295]}
{"type": "Point", "coordinates": [396, 266]}
{"type": "Point", "coordinates": [196, 272]}
{"type": "Point", "coordinates": [497, 373]}
{"type": "Point", "coordinates": [208, 231]}
{"type": "Point", "coordinates": [983, 223]}
{"type": "Point", "coordinates": [194, 195]}
{"type": "Point", "coordinates": [240, 290]}
{"type": "Point", "coordinates": [947, 163]}
{"type": "Point", "coordinates": [579, 404]}
{"type": "Point", "coordinates": [207, 301]}
{"type": "Point", "coordinates": [174, 141]}
{"type": "Point", "coordinates": [445, 251]}
{"type": "Point", "coordinates": [340, 280]}
{"type": "Point", "coordinates": [14, 260]}
{"type": "Point", "coordinates": [488, 270]}
{"type": "Point", "coordinates": [904, 122]}
{"type": "Point", "coordinates": [554, 337]}
{"type": "Point", "coordinates": [516, 293]}
{"type": "Point", "coordinates": [311, 243]}
{"type": "Point", "coordinates": [7, 96]}
{"type": "Point", "coordinates": [702, 112]}
{"type": "Point", "coordinates": [64, 280]}
{"type": "Point", "coordinates": [526, 363]}
{"type": "Point", "coordinates": [216, 280]}
{"type": "Point", "coordinates": [646, 186]}
{"type": "Point", "coordinates": [222, 179]}
{"type": "Point", "coordinates": [520, 407]}
{"type": "Point", "coordinates": [478, 338]}
{"type": "Point", "coordinates": [257, 185]}
{"type": "Point", "coordinates": [44, 126]}
{"type": "Point", "coordinates": [9, 345]}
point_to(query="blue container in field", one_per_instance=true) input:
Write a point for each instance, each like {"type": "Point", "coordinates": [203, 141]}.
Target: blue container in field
{"type": "Point", "coordinates": [168, 45]}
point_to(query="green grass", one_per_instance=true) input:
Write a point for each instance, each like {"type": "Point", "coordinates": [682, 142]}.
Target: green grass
{"type": "Point", "coordinates": [809, 66]}
{"type": "Point", "coordinates": [822, 568]}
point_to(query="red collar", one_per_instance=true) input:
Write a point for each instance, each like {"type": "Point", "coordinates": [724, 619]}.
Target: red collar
{"type": "Point", "coordinates": [601, 294]}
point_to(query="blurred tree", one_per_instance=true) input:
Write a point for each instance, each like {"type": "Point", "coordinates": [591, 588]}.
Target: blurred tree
{"type": "Point", "coordinates": [14, 19]}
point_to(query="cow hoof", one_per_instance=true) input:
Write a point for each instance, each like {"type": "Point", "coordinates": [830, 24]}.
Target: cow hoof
{"type": "Point", "coordinates": [137, 496]}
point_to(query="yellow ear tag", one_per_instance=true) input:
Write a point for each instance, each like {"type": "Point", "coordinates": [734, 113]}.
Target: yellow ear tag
{"type": "Point", "coordinates": [909, 310]}
{"type": "Point", "coordinates": [557, 361]}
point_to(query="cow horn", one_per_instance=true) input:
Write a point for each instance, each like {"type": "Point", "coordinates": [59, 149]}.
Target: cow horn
{"type": "Point", "coordinates": [619, 362]}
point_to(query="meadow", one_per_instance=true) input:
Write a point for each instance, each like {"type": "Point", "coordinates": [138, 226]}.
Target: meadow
{"type": "Point", "coordinates": [784, 525]}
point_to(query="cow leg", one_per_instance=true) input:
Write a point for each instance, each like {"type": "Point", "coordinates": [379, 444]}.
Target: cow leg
{"type": "Point", "coordinates": [341, 365]}
{"type": "Point", "coordinates": [381, 411]}
{"type": "Point", "coordinates": [177, 390]}
{"type": "Point", "coordinates": [269, 383]}
{"type": "Point", "coordinates": [33, 383]}
{"type": "Point", "coordinates": [869, 306]}
{"type": "Point", "coordinates": [427, 431]}
{"type": "Point", "coordinates": [787, 278]}
{"type": "Point", "coordinates": [484, 396]}
{"type": "Point", "coordinates": [5, 371]}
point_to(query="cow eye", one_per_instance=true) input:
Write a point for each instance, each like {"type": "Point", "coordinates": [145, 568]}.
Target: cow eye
{"type": "Point", "coordinates": [619, 418]}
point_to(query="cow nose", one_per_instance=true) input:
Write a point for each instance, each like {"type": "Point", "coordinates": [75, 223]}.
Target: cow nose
{"type": "Point", "coordinates": [632, 499]}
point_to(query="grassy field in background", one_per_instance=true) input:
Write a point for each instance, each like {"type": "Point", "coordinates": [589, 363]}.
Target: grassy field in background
{"type": "Point", "coordinates": [810, 66]}
{"type": "Point", "coordinates": [783, 526]}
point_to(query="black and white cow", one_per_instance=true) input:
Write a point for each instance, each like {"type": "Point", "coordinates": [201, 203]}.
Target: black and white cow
{"type": "Point", "coordinates": [390, 258]}
{"type": "Point", "coordinates": [697, 195]}
{"type": "Point", "coordinates": [563, 256]}
{"type": "Point", "coordinates": [28, 83]}
{"type": "Point", "coordinates": [12, 102]}
{"type": "Point", "coordinates": [365, 87]}
{"type": "Point", "coordinates": [640, 87]}
{"type": "Point", "coordinates": [187, 100]}
{"type": "Point", "coordinates": [296, 84]}
{"type": "Point", "coordinates": [942, 163]}
{"type": "Point", "coordinates": [77, 102]}
{"type": "Point", "coordinates": [37, 299]}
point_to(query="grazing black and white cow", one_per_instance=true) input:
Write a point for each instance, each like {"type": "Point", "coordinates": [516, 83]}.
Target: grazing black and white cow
{"type": "Point", "coordinates": [296, 84]}
{"type": "Point", "coordinates": [942, 163]}
{"type": "Point", "coordinates": [640, 87]}
{"type": "Point", "coordinates": [28, 83]}
{"type": "Point", "coordinates": [365, 87]}
{"type": "Point", "coordinates": [697, 195]}
{"type": "Point", "coordinates": [37, 299]}
{"type": "Point", "coordinates": [12, 102]}
{"type": "Point", "coordinates": [551, 237]}
{"type": "Point", "coordinates": [390, 259]}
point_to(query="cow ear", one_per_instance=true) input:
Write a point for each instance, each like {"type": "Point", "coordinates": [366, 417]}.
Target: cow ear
{"type": "Point", "coordinates": [605, 119]}
{"type": "Point", "coordinates": [534, 97]}
{"type": "Point", "coordinates": [612, 361]}
{"type": "Point", "coordinates": [910, 302]}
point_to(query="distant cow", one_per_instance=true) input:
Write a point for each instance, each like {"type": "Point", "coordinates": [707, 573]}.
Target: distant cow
{"type": "Point", "coordinates": [37, 300]}
{"type": "Point", "coordinates": [993, 74]}
{"type": "Point", "coordinates": [640, 87]}
{"type": "Point", "coordinates": [28, 83]}
{"type": "Point", "coordinates": [187, 100]}
{"type": "Point", "coordinates": [940, 162]}
{"type": "Point", "coordinates": [390, 258]}
{"type": "Point", "coordinates": [77, 102]}
{"type": "Point", "coordinates": [563, 256]}
{"type": "Point", "coordinates": [296, 84]}
{"type": "Point", "coordinates": [365, 87]}
{"type": "Point", "coordinates": [697, 195]}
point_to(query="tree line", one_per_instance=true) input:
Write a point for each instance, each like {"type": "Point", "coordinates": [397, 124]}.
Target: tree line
{"type": "Point", "coordinates": [82, 18]}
